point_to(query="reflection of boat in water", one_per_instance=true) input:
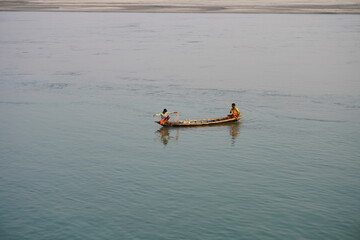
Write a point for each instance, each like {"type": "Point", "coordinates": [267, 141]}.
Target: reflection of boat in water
{"type": "Point", "coordinates": [199, 122]}
{"type": "Point", "coordinates": [167, 133]}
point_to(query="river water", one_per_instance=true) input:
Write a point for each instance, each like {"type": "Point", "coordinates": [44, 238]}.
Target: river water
{"type": "Point", "coordinates": [81, 156]}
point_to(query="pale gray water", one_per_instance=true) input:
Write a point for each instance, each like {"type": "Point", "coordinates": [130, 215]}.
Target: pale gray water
{"type": "Point", "coordinates": [81, 158]}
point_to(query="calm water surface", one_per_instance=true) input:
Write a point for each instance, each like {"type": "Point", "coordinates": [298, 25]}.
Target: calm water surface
{"type": "Point", "coordinates": [81, 156]}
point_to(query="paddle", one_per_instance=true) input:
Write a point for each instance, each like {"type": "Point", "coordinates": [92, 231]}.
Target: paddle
{"type": "Point", "coordinates": [228, 106]}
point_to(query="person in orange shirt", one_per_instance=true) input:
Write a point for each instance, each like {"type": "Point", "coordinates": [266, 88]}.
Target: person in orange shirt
{"type": "Point", "coordinates": [235, 112]}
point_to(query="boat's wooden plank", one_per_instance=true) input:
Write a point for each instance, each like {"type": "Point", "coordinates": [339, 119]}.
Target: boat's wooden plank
{"type": "Point", "coordinates": [201, 122]}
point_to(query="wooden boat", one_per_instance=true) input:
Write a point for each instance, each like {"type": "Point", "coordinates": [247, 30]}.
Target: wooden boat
{"type": "Point", "coordinates": [199, 122]}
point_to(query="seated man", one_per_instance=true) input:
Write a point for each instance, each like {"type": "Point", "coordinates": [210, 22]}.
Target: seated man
{"type": "Point", "coordinates": [235, 112]}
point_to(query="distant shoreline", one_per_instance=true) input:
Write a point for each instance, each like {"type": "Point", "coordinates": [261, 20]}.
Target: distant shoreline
{"type": "Point", "coordinates": [185, 6]}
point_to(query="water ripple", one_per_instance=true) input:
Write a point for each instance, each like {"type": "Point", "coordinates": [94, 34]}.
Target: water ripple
{"type": "Point", "coordinates": [316, 120]}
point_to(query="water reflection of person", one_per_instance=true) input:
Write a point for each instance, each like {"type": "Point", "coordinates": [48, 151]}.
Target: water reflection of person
{"type": "Point", "coordinates": [165, 135]}
{"type": "Point", "coordinates": [234, 131]}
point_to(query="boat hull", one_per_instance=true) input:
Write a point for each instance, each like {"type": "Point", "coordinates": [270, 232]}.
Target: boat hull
{"type": "Point", "coordinates": [200, 122]}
